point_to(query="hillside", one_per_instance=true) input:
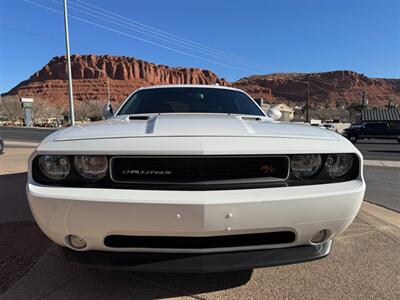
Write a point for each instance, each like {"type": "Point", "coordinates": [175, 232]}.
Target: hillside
{"type": "Point", "coordinates": [90, 72]}
{"type": "Point", "coordinates": [327, 88]}
{"type": "Point", "coordinates": [126, 74]}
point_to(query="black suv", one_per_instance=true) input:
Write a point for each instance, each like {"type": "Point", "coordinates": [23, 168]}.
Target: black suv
{"type": "Point", "coordinates": [376, 130]}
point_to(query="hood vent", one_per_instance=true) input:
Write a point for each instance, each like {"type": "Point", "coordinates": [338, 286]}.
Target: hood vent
{"type": "Point", "coordinates": [138, 118]}
{"type": "Point", "coordinates": [251, 118]}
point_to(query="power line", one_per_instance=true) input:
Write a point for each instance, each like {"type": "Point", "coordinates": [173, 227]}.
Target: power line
{"type": "Point", "coordinates": [138, 38]}
{"type": "Point", "coordinates": [118, 22]}
{"type": "Point", "coordinates": [172, 36]}
{"type": "Point", "coordinates": [34, 34]}
{"type": "Point", "coordinates": [328, 81]}
{"type": "Point", "coordinates": [154, 34]}
{"type": "Point", "coordinates": [322, 89]}
{"type": "Point", "coordinates": [322, 81]}
{"type": "Point", "coordinates": [273, 91]}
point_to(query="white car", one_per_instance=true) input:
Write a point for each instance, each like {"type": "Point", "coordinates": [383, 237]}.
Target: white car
{"type": "Point", "coordinates": [194, 178]}
{"type": "Point", "coordinates": [330, 127]}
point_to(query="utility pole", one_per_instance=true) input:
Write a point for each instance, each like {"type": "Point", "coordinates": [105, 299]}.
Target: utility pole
{"type": "Point", "coordinates": [308, 100]}
{"type": "Point", "coordinates": [70, 91]}
{"type": "Point", "coordinates": [108, 90]}
{"type": "Point", "coordinates": [364, 99]}
{"type": "Point", "coordinates": [108, 86]}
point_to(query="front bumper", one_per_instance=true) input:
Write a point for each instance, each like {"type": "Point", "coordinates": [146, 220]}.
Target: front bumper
{"type": "Point", "coordinates": [94, 214]}
{"type": "Point", "coordinates": [197, 263]}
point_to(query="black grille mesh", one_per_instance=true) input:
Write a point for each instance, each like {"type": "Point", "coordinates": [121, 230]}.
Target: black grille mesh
{"type": "Point", "coordinates": [198, 169]}
{"type": "Point", "coordinates": [176, 242]}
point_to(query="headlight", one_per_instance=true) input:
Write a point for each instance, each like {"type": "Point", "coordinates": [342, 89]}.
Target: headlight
{"type": "Point", "coordinates": [91, 167]}
{"type": "Point", "coordinates": [305, 165]}
{"type": "Point", "coordinates": [338, 165]}
{"type": "Point", "coordinates": [55, 167]}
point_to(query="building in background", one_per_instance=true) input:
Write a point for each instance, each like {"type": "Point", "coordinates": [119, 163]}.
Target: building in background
{"type": "Point", "coordinates": [389, 115]}
{"type": "Point", "coordinates": [286, 110]}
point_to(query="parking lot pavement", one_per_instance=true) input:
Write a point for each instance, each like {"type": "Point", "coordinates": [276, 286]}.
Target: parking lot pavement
{"type": "Point", "coordinates": [15, 163]}
{"type": "Point", "coordinates": [21, 241]}
{"type": "Point", "coordinates": [364, 262]}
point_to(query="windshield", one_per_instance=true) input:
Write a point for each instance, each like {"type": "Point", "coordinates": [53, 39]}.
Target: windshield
{"type": "Point", "coordinates": [190, 100]}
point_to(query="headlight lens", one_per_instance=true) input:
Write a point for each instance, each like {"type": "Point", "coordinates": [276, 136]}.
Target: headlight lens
{"type": "Point", "coordinates": [338, 165]}
{"type": "Point", "coordinates": [91, 167]}
{"type": "Point", "coordinates": [55, 167]}
{"type": "Point", "coordinates": [305, 165]}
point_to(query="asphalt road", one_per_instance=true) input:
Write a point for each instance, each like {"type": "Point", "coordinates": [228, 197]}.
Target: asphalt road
{"type": "Point", "coordinates": [24, 134]}
{"type": "Point", "coordinates": [379, 149]}
{"type": "Point", "coordinates": [371, 149]}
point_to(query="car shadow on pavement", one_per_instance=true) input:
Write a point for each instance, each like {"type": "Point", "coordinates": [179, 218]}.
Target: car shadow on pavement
{"type": "Point", "coordinates": [22, 244]}
{"type": "Point", "coordinates": [13, 203]}
{"type": "Point", "coordinates": [21, 241]}
{"type": "Point", "coordinates": [191, 283]}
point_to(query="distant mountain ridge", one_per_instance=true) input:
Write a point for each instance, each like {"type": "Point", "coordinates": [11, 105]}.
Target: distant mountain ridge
{"type": "Point", "coordinates": [126, 74]}
{"type": "Point", "coordinates": [326, 88]}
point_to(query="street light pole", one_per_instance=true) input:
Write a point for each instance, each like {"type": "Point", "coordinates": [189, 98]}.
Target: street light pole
{"type": "Point", "coordinates": [69, 73]}
{"type": "Point", "coordinates": [108, 90]}
{"type": "Point", "coordinates": [308, 100]}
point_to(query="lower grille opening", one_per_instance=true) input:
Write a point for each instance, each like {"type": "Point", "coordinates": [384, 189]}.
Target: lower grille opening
{"type": "Point", "coordinates": [184, 242]}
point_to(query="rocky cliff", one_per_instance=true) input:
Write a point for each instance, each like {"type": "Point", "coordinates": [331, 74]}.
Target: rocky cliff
{"type": "Point", "coordinates": [328, 88]}
{"type": "Point", "coordinates": [90, 72]}
{"type": "Point", "coordinates": [126, 74]}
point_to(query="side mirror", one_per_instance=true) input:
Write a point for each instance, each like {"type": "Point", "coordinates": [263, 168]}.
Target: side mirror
{"type": "Point", "coordinates": [107, 111]}
{"type": "Point", "coordinates": [274, 114]}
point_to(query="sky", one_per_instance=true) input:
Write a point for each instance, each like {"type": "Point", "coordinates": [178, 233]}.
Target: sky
{"type": "Point", "coordinates": [233, 38]}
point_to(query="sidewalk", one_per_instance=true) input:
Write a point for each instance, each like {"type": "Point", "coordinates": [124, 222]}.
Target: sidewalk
{"type": "Point", "coordinates": [20, 144]}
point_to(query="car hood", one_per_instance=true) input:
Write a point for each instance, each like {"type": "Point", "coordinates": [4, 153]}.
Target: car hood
{"type": "Point", "coordinates": [176, 125]}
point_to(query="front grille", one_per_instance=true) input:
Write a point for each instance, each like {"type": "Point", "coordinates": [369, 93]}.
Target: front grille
{"type": "Point", "coordinates": [199, 169]}
{"type": "Point", "coordinates": [184, 242]}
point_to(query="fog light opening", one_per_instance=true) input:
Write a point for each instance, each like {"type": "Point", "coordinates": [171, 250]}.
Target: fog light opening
{"type": "Point", "coordinates": [75, 241]}
{"type": "Point", "coordinates": [320, 236]}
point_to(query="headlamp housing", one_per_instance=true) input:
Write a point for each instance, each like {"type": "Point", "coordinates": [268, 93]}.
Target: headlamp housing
{"type": "Point", "coordinates": [91, 167]}
{"type": "Point", "coordinates": [338, 165]}
{"type": "Point", "coordinates": [305, 165]}
{"type": "Point", "coordinates": [55, 167]}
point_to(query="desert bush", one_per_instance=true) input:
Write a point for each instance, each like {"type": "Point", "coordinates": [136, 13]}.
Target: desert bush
{"type": "Point", "coordinates": [10, 109]}
{"type": "Point", "coordinates": [88, 110]}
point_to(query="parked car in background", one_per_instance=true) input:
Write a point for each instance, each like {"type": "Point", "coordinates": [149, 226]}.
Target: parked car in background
{"type": "Point", "coordinates": [1, 144]}
{"type": "Point", "coordinates": [376, 130]}
{"type": "Point", "coordinates": [194, 178]}
{"type": "Point", "coordinates": [330, 127]}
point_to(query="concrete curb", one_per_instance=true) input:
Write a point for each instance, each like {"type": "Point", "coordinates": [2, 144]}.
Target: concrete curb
{"type": "Point", "coordinates": [383, 213]}
{"type": "Point", "coordinates": [382, 163]}
{"type": "Point", "coordinates": [8, 143]}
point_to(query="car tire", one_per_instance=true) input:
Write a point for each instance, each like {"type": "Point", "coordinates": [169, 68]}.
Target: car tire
{"type": "Point", "coordinates": [353, 139]}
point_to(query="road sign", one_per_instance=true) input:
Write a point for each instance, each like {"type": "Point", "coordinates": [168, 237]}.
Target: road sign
{"type": "Point", "coordinates": [26, 104]}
